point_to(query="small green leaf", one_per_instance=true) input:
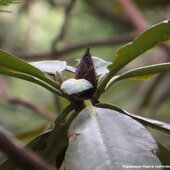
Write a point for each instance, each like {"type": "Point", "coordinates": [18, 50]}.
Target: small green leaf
{"type": "Point", "coordinates": [72, 86]}
{"type": "Point", "coordinates": [50, 66]}
{"type": "Point", "coordinates": [109, 140]}
{"type": "Point", "coordinates": [141, 72]}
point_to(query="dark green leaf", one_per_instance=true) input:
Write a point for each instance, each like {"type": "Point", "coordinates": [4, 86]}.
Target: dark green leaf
{"type": "Point", "coordinates": [14, 73]}
{"type": "Point", "coordinates": [145, 41]}
{"type": "Point", "coordinates": [13, 63]}
{"type": "Point", "coordinates": [164, 127]}
{"type": "Point", "coordinates": [109, 140]}
{"type": "Point", "coordinates": [141, 72]}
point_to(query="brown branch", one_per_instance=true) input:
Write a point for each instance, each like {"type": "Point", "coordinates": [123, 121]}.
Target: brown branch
{"type": "Point", "coordinates": [104, 13]}
{"type": "Point", "coordinates": [119, 39]}
{"type": "Point", "coordinates": [28, 104]}
{"type": "Point", "coordinates": [20, 155]}
{"type": "Point", "coordinates": [64, 27]}
{"type": "Point", "coordinates": [137, 19]}
{"type": "Point", "coordinates": [4, 92]}
{"type": "Point", "coordinates": [134, 14]}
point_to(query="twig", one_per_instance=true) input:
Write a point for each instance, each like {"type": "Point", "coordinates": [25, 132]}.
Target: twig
{"type": "Point", "coordinates": [137, 19]}
{"type": "Point", "coordinates": [124, 38]}
{"type": "Point", "coordinates": [64, 27]}
{"type": "Point", "coordinates": [28, 104]}
{"type": "Point", "coordinates": [4, 92]}
{"type": "Point", "coordinates": [110, 16]}
{"type": "Point", "coordinates": [22, 156]}
{"type": "Point", "coordinates": [134, 14]}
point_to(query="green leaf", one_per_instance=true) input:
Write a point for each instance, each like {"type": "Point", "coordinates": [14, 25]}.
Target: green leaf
{"type": "Point", "coordinates": [155, 124]}
{"type": "Point", "coordinates": [50, 66]}
{"type": "Point", "coordinates": [14, 73]}
{"type": "Point", "coordinates": [109, 140]}
{"type": "Point", "coordinates": [8, 2]}
{"type": "Point", "coordinates": [13, 63]}
{"type": "Point", "coordinates": [73, 86]}
{"type": "Point", "coordinates": [145, 41]}
{"type": "Point", "coordinates": [141, 72]}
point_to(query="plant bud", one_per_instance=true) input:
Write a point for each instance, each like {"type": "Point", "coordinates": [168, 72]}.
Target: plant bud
{"type": "Point", "coordinates": [85, 69]}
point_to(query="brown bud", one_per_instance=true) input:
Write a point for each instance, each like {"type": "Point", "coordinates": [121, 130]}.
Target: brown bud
{"type": "Point", "coordinates": [85, 69]}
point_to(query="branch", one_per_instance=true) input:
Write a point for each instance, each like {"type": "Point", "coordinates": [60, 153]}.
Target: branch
{"type": "Point", "coordinates": [119, 39]}
{"type": "Point", "coordinates": [138, 20]}
{"type": "Point", "coordinates": [4, 92]}
{"type": "Point", "coordinates": [22, 156]}
{"type": "Point", "coordinates": [134, 14]}
{"type": "Point", "coordinates": [102, 12]}
{"type": "Point", "coordinates": [64, 27]}
{"type": "Point", "coordinates": [28, 104]}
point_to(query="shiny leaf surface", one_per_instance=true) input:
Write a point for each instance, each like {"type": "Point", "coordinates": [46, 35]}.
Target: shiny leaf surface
{"type": "Point", "coordinates": [110, 140]}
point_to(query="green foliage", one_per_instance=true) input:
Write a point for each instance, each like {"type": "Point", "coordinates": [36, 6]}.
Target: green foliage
{"type": "Point", "coordinates": [100, 132]}
{"type": "Point", "coordinates": [145, 41]}
{"type": "Point", "coordinates": [142, 72]}
{"type": "Point", "coordinates": [8, 2]}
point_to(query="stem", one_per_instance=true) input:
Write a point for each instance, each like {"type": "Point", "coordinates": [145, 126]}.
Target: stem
{"type": "Point", "coordinates": [22, 156]}
{"type": "Point", "coordinates": [104, 82]}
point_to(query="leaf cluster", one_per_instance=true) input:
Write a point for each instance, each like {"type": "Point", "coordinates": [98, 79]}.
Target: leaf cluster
{"type": "Point", "coordinates": [87, 133]}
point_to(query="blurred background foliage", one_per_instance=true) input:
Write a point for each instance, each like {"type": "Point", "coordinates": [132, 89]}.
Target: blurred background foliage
{"type": "Point", "coordinates": [28, 28]}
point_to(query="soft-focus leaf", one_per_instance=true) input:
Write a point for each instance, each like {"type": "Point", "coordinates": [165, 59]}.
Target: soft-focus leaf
{"type": "Point", "coordinates": [72, 86]}
{"type": "Point", "coordinates": [110, 140]}
{"type": "Point", "coordinates": [141, 72]}
{"type": "Point", "coordinates": [156, 124]}
{"type": "Point", "coordinates": [50, 66]}
{"type": "Point", "coordinates": [8, 2]}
